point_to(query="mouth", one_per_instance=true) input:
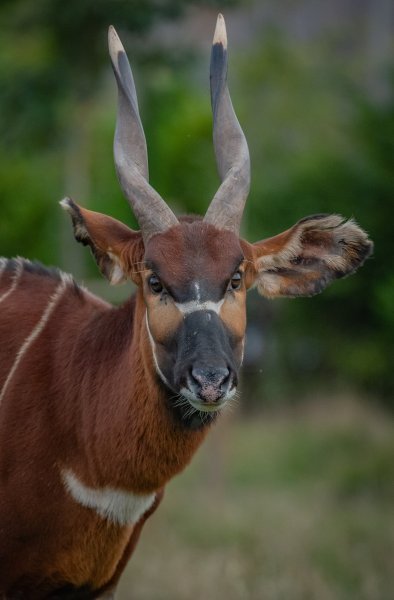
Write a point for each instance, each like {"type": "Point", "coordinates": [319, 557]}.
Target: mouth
{"type": "Point", "coordinates": [207, 407]}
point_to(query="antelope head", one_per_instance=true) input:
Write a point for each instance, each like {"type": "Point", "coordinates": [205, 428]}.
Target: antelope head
{"type": "Point", "coordinates": [193, 273]}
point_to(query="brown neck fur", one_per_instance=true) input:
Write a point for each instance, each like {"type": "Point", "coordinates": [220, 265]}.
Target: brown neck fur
{"type": "Point", "coordinates": [126, 434]}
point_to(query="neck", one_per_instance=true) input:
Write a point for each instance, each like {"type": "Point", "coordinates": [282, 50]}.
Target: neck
{"type": "Point", "coordinates": [132, 437]}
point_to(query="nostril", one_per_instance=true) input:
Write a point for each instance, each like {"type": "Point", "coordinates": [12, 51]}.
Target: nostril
{"type": "Point", "coordinates": [224, 376]}
{"type": "Point", "coordinates": [211, 376]}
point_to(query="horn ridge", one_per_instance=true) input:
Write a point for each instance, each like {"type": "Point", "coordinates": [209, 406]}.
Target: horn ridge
{"type": "Point", "coordinates": [130, 152]}
{"type": "Point", "coordinates": [127, 97]}
{"type": "Point", "coordinates": [231, 149]}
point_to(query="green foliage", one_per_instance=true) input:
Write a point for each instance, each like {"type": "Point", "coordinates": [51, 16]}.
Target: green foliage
{"type": "Point", "coordinates": [179, 134]}
{"type": "Point", "coordinates": [325, 146]}
{"type": "Point", "coordinates": [318, 142]}
{"type": "Point", "coordinates": [54, 50]}
{"type": "Point", "coordinates": [28, 218]}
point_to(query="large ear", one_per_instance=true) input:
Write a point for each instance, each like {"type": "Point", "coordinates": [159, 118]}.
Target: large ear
{"type": "Point", "coordinates": [303, 260]}
{"type": "Point", "coordinates": [118, 250]}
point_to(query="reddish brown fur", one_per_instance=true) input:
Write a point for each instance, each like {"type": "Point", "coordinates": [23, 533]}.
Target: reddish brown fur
{"type": "Point", "coordinates": [63, 409]}
{"type": "Point", "coordinates": [86, 397]}
{"type": "Point", "coordinates": [193, 252]}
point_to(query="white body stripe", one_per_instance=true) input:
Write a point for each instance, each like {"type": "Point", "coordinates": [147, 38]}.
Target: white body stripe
{"type": "Point", "coordinates": [118, 506]}
{"type": "Point", "coordinates": [15, 279]}
{"type": "Point", "coordinates": [3, 262]}
{"type": "Point", "coordinates": [152, 343]}
{"type": "Point", "coordinates": [36, 332]}
{"type": "Point", "coordinates": [193, 305]}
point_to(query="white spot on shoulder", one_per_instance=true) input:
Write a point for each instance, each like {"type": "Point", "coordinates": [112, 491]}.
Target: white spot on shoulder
{"type": "Point", "coordinates": [118, 506]}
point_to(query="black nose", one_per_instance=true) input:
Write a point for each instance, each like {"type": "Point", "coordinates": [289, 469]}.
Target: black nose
{"type": "Point", "coordinates": [210, 383]}
{"type": "Point", "coordinates": [210, 376]}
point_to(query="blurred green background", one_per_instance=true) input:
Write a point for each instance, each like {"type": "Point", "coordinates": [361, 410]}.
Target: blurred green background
{"type": "Point", "coordinates": [292, 497]}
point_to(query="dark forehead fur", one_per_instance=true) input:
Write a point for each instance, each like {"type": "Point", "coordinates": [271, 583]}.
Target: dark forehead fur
{"type": "Point", "coordinates": [192, 251]}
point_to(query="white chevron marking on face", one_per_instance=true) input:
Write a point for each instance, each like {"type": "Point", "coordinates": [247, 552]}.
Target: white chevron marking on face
{"type": "Point", "coordinates": [193, 305]}
{"type": "Point", "coordinates": [196, 304]}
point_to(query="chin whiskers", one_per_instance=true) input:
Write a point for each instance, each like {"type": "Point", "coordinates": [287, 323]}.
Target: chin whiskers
{"type": "Point", "coordinates": [188, 411]}
{"type": "Point", "coordinates": [233, 403]}
{"type": "Point", "coordinates": [183, 403]}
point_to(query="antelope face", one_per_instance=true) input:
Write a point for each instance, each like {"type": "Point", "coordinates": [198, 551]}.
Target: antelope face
{"type": "Point", "coordinates": [195, 272]}
{"type": "Point", "coordinates": [194, 291]}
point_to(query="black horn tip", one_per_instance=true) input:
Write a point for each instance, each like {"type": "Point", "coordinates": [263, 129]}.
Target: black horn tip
{"type": "Point", "coordinates": [218, 60]}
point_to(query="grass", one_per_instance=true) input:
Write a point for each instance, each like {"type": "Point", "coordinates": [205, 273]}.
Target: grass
{"type": "Point", "coordinates": [285, 506]}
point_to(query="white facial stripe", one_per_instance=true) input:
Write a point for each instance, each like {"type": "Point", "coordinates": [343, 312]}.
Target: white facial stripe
{"type": "Point", "coordinates": [198, 291]}
{"type": "Point", "coordinates": [153, 345]}
{"type": "Point", "coordinates": [193, 305]}
{"type": "Point", "coordinates": [118, 506]}
{"type": "Point", "coordinates": [197, 304]}
{"type": "Point", "coordinates": [53, 300]}
{"type": "Point", "coordinates": [15, 279]}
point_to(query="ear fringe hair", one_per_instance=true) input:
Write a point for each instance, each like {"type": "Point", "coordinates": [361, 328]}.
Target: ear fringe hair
{"type": "Point", "coordinates": [347, 241]}
{"type": "Point", "coordinates": [318, 250]}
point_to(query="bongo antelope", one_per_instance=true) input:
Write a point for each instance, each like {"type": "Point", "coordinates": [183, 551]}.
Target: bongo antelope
{"type": "Point", "coordinates": [100, 406]}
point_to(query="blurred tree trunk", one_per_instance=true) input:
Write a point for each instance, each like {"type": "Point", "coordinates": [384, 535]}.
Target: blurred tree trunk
{"type": "Point", "coordinates": [76, 184]}
{"type": "Point", "coordinates": [379, 35]}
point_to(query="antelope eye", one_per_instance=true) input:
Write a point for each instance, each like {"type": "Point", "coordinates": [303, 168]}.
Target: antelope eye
{"type": "Point", "coordinates": [236, 279]}
{"type": "Point", "coordinates": [155, 284]}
